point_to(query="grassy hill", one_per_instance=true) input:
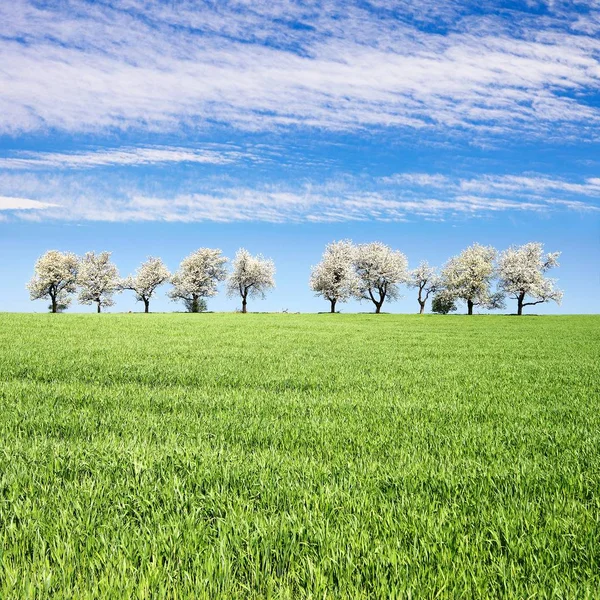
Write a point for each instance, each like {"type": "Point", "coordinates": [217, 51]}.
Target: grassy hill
{"type": "Point", "coordinates": [285, 456]}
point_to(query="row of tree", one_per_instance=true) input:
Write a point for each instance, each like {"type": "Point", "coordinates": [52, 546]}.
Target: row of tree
{"type": "Point", "coordinates": [478, 276]}
{"type": "Point", "coordinates": [59, 275]}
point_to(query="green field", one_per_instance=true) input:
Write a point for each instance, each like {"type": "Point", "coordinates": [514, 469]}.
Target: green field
{"type": "Point", "coordinates": [291, 456]}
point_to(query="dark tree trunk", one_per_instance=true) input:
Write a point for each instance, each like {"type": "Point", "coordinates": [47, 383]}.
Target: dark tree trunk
{"type": "Point", "coordinates": [244, 305]}
{"type": "Point", "coordinates": [469, 307]}
{"type": "Point", "coordinates": [520, 301]}
{"type": "Point", "coordinates": [422, 305]}
{"type": "Point", "coordinates": [146, 305]}
{"type": "Point", "coordinates": [379, 303]}
{"type": "Point", "coordinates": [99, 309]}
{"type": "Point", "coordinates": [195, 307]}
{"type": "Point", "coordinates": [54, 304]}
{"type": "Point", "coordinates": [333, 303]}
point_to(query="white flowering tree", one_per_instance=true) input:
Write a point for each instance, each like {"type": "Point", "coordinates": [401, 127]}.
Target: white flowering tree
{"type": "Point", "coordinates": [379, 271]}
{"type": "Point", "coordinates": [54, 279]}
{"type": "Point", "coordinates": [522, 275]}
{"type": "Point", "coordinates": [334, 278]}
{"type": "Point", "coordinates": [425, 279]}
{"type": "Point", "coordinates": [251, 276]}
{"type": "Point", "coordinates": [150, 275]}
{"type": "Point", "coordinates": [197, 278]}
{"type": "Point", "coordinates": [469, 276]}
{"type": "Point", "coordinates": [98, 279]}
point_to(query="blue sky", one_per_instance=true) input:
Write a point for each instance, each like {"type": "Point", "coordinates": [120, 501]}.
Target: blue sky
{"type": "Point", "coordinates": [155, 128]}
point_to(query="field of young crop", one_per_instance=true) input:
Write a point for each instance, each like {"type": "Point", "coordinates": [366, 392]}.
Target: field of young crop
{"type": "Point", "coordinates": [287, 456]}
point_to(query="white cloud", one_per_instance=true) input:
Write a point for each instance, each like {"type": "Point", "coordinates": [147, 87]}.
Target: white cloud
{"type": "Point", "coordinates": [420, 179]}
{"type": "Point", "coordinates": [97, 67]}
{"type": "Point", "coordinates": [408, 196]}
{"type": "Point", "coordinates": [12, 203]}
{"type": "Point", "coordinates": [120, 157]}
{"type": "Point", "coordinates": [529, 185]}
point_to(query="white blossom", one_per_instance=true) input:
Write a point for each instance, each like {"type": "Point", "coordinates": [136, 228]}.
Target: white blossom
{"type": "Point", "coordinates": [98, 279]}
{"type": "Point", "coordinates": [251, 276]}
{"type": "Point", "coordinates": [425, 279]}
{"type": "Point", "coordinates": [334, 277]}
{"type": "Point", "coordinates": [521, 271]}
{"type": "Point", "coordinates": [55, 278]}
{"type": "Point", "coordinates": [379, 271]}
{"type": "Point", "coordinates": [198, 277]}
{"type": "Point", "coordinates": [147, 278]}
{"type": "Point", "coordinates": [468, 277]}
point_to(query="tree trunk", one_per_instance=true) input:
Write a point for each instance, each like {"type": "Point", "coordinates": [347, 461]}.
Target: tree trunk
{"type": "Point", "coordinates": [54, 304]}
{"type": "Point", "coordinates": [520, 301]}
{"type": "Point", "coordinates": [99, 309]}
{"type": "Point", "coordinates": [244, 305]}
{"type": "Point", "coordinates": [469, 307]}
{"type": "Point", "coordinates": [333, 302]}
{"type": "Point", "coordinates": [422, 305]}
{"type": "Point", "coordinates": [146, 305]}
{"type": "Point", "coordinates": [379, 304]}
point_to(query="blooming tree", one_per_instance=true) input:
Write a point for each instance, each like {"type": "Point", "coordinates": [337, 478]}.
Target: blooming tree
{"type": "Point", "coordinates": [468, 277]}
{"type": "Point", "coordinates": [98, 279]}
{"type": "Point", "coordinates": [55, 278]}
{"type": "Point", "coordinates": [147, 278]}
{"type": "Point", "coordinates": [425, 279]}
{"type": "Point", "coordinates": [379, 271]}
{"type": "Point", "coordinates": [198, 276]}
{"type": "Point", "coordinates": [251, 276]}
{"type": "Point", "coordinates": [522, 270]}
{"type": "Point", "coordinates": [334, 278]}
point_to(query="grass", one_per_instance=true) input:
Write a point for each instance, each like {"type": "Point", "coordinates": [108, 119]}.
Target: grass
{"type": "Point", "coordinates": [289, 456]}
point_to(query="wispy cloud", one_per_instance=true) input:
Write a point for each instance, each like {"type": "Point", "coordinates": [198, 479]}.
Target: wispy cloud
{"type": "Point", "coordinates": [94, 67]}
{"type": "Point", "coordinates": [121, 157]}
{"type": "Point", "coordinates": [404, 197]}
{"type": "Point", "coordinates": [590, 187]}
{"type": "Point", "coordinates": [533, 184]}
{"type": "Point", "coordinates": [420, 179]}
{"type": "Point", "coordinates": [18, 204]}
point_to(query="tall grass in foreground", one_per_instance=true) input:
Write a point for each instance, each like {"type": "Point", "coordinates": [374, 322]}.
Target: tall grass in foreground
{"type": "Point", "coordinates": [287, 456]}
